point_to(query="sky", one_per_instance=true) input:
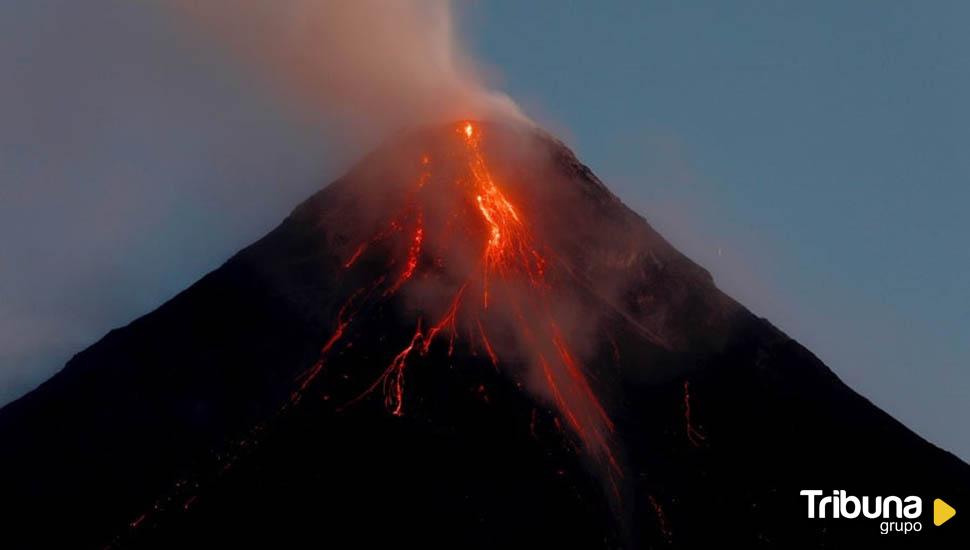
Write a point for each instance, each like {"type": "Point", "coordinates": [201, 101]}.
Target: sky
{"type": "Point", "coordinates": [810, 155]}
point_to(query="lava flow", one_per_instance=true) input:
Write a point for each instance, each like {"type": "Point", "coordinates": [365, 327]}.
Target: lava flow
{"type": "Point", "coordinates": [507, 281]}
{"type": "Point", "coordinates": [694, 435]}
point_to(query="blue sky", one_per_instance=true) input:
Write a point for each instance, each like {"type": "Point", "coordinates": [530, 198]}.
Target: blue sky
{"type": "Point", "coordinates": [811, 155]}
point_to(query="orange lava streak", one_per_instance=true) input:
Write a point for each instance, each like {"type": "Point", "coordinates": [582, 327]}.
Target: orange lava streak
{"type": "Point", "coordinates": [448, 321]}
{"type": "Point", "coordinates": [587, 427]}
{"type": "Point", "coordinates": [394, 375]}
{"type": "Point", "coordinates": [510, 253]}
{"type": "Point", "coordinates": [488, 345]}
{"type": "Point", "coordinates": [134, 524]}
{"type": "Point", "coordinates": [661, 518]}
{"type": "Point", "coordinates": [560, 402]}
{"type": "Point", "coordinates": [395, 225]}
{"type": "Point", "coordinates": [577, 376]}
{"type": "Point", "coordinates": [356, 255]}
{"type": "Point", "coordinates": [508, 248]}
{"type": "Point", "coordinates": [414, 254]}
{"type": "Point", "coordinates": [695, 437]}
{"type": "Point", "coordinates": [343, 319]}
{"type": "Point", "coordinates": [392, 379]}
{"type": "Point", "coordinates": [602, 445]}
{"type": "Point", "coordinates": [415, 250]}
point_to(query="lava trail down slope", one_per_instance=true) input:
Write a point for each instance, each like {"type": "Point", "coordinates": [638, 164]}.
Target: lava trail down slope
{"type": "Point", "coordinates": [467, 340]}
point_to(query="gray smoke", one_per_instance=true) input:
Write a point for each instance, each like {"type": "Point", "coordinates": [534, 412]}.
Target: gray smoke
{"type": "Point", "coordinates": [373, 65]}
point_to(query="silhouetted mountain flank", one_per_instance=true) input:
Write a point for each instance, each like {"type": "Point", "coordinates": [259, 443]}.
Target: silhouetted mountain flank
{"type": "Point", "coordinates": [466, 341]}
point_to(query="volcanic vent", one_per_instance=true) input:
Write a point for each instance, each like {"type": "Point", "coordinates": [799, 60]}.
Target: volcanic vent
{"type": "Point", "coordinates": [483, 279]}
{"type": "Point", "coordinates": [465, 341]}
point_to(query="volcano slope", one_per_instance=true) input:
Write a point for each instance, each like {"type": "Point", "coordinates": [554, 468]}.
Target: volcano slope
{"type": "Point", "coordinates": [465, 341]}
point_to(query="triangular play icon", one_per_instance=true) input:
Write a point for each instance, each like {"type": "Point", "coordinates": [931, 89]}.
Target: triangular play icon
{"type": "Point", "coordinates": [942, 512]}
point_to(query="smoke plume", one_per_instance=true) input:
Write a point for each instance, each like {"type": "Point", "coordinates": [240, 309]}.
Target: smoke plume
{"type": "Point", "coordinates": [380, 66]}
{"type": "Point", "coordinates": [375, 65]}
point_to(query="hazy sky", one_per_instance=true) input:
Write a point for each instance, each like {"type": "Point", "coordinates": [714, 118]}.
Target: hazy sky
{"type": "Point", "coordinates": [811, 155]}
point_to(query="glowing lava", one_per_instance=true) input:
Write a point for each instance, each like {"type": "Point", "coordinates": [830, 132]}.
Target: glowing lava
{"type": "Point", "coordinates": [661, 518]}
{"type": "Point", "coordinates": [511, 275]}
{"type": "Point", "coordinates": [414, 254]}
{"type": "Point", "coordinates": [694, 435]}
{"type": "Point", "coordinates": [343, 319]}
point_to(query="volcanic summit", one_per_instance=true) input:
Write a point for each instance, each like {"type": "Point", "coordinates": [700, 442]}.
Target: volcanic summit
{"type": "Point", "coordinates": [466, 341]}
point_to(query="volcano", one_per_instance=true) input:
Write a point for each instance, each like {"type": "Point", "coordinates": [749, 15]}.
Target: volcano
{"type": "Point", "coordinates": [466, 341]}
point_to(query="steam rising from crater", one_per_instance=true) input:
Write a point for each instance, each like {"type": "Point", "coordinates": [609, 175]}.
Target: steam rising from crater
{"type": "Point", "coordinates": [372, 64]}
{"type": "Point", "coordinates": [460, 249]}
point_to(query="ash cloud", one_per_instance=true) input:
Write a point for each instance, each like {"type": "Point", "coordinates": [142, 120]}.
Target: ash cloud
{"type": "Point", "coordinates": [128, 124]}
{"type": "Point", "coordinates": [372, 66]}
